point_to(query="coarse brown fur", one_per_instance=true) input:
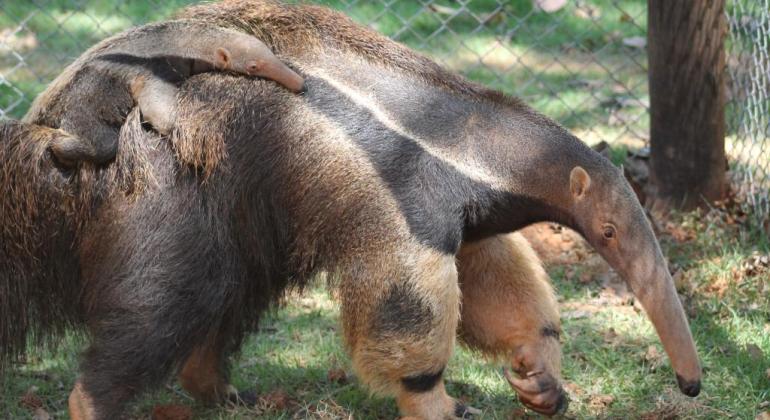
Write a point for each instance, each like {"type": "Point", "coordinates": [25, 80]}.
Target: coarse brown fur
{"type": "Point", "coordinates": [45, 207]}
{"type": "Point", "coordinates": [377, 176]}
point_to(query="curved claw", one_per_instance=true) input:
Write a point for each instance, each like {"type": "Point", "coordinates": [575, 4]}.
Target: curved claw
{"type": "Point", "coordinates": [539, 392]}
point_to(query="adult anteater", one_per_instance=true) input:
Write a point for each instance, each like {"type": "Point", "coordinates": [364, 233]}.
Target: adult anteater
{"type": "Point", "coordinates": [378, 175]}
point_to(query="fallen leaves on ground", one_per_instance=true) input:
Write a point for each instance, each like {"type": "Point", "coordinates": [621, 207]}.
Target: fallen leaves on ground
{"type": "Point", "coordinates": [755, 264]}
{"type": "Point", "coordinates": [171, 412]}
{"type": "Point", "coordinates": [30, 400]}
{"type": "Point", "coordinates": [573, 389]}
{"type": "Point", "coordinates": [718, 287]}
{"type": "Point", "coordinates": [683, 280]}
{"type": "Point", "coordinates": [600, 401]}
{"type": "Point", "coordinates": [680, 233]}
{"type": "Point", "coordinates": [337, 375]}
{"type": "Point", "coordinates": [277, 400]}
{"type": "Point", "coordinates": [765, 415]}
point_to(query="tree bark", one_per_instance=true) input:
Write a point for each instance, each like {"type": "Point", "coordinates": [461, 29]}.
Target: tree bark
{"type": "Point", "coordinates": [687, 101]}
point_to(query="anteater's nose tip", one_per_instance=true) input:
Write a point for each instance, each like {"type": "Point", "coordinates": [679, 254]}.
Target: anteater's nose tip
{"type": "Point", "coordinates": [562, 404]}
{"type": "Point", "coordinates": [689, 388]}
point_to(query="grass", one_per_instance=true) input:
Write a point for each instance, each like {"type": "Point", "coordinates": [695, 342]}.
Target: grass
{"type": "Point", "coordinates": [610, 360]}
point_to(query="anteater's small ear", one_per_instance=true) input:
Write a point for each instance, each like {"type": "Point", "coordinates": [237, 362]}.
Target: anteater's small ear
{"type": "Point", "coordinates": [579, 182]}
{"type": "Point", "coordinates": [222, 59]}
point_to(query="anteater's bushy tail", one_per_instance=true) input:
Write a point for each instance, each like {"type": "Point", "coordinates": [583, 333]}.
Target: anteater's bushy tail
{"type": "Point", "coordinates": [36, 211]}
{"type": "Point", "coordinates": [44, 208]}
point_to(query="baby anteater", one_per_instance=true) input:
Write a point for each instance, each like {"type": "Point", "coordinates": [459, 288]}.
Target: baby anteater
{"type": "Point", "coordinates": [143, 67]}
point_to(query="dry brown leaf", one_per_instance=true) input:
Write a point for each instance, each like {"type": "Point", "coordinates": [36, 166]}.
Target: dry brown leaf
{"type": "Point", "coordinates": [171, 412]}
{"type": "Point", "coordinates": [683, 281]}
{"type": "Point", "coordinates": [277, 400]}
{"type": "Point", "coordinates": [719, 286]}
{"type": "Point", "coordinates": [337, 376]}
{"type": "Point", "coordinates": [30, 400]}
{"type": "Point", "coordinates": [679, 233]}
{"type": "Point", "coordinates": [765, 415]}
{"type": "Point", "coordinates": [573, 389]}
{"type": "Point", "coordinates": [600, 400]}
{"type": "Point", "coordinates": [652, 354]}
{"type": "Point", "coordinates": [755, 265]}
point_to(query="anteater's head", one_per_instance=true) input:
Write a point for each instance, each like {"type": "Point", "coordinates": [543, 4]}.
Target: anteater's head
{"type": "Point", "coordinates": [605, 210]}
{"type": "Point", "coordinates": [248, 55]}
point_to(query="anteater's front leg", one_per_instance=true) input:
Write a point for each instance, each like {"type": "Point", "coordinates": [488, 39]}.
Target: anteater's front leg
{"type": "Point", "coordinates": [509, 312]}
{"type": "Point", "coordinates": [399, 312]}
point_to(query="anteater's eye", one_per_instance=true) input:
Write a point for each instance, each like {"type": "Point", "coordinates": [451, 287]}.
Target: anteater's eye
{"type": "Point", "coordinates": [608, 231]}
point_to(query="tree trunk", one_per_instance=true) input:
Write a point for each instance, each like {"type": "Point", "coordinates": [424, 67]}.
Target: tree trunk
{"type": "Point", "coordinates": [687, 100]}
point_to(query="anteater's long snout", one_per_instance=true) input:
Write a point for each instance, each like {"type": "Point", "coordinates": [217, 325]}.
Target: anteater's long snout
{"type": "Point", "coordinates": [652, 284]}
{"type": "Point", "coordinates": [281, 73]}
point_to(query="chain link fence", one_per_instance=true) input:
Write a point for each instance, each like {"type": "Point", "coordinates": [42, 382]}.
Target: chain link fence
{"type": "Point", "coordinates": [748, 110]}
{"type": "Point", "coordinates": [582, 62]}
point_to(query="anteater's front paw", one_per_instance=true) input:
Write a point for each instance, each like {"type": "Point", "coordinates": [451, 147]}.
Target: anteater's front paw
{"type": "Point", "coordinates": [539, 392]}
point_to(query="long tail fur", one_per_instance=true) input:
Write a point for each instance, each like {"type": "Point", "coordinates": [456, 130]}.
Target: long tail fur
{"type": "Point", "coordinates": [43, 207]}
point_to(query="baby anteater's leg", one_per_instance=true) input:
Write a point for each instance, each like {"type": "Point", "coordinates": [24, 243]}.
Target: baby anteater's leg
{"type": "Point", "coordinates": [69, 150]}
{"type": "Point", "coordinates": [509, 312]}
{"type": "Point", "coordinates": [400, 318]}
{"type": "Point", "coordinates": [157, 99]}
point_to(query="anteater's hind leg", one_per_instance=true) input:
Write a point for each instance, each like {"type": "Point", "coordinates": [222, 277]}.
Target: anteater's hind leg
{"type": "Point", "coordinates": [509, 312]}
{"type": "Point", "coordinates": [400, 312]}
{"type": "Point", "coordinates": [205, 375]}
{"type": "Point", "coordinates": [154, 292]}
{"type": "Point", "coordinates": [132, 353]}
